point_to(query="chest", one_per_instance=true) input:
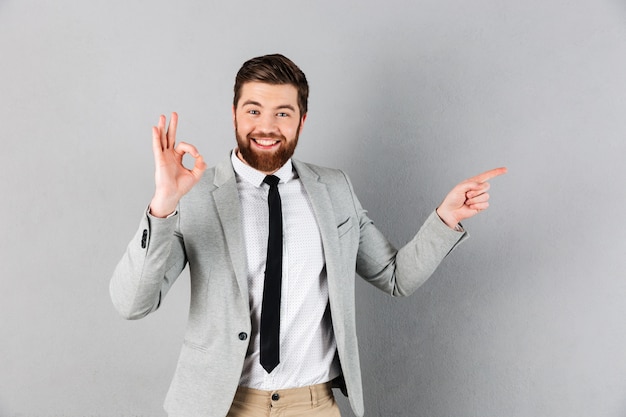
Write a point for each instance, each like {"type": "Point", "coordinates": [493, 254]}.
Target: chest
{"type": "Point", "coordinates": [302, 245]}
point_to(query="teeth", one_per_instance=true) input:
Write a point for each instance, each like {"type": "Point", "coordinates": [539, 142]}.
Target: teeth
{"type": "Point", "coordinates": [265, 142]}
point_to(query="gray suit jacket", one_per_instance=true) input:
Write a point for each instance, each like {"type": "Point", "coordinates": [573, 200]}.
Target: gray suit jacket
{"type": "Point", "coordinates": [206, 233]}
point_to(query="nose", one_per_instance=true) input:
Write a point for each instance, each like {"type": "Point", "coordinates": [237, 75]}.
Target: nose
{"type": "Point", "coordinates": [267, 123]}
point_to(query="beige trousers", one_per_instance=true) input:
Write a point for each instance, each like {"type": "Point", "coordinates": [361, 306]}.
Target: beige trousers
{"type": "Point", "coordinates": [313, 401]}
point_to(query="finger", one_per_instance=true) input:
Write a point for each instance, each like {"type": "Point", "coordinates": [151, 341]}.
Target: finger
{"type": "Point", "coordinates": [476, 189]}
{"type": "Point", "coordinates": [487, 175]}
{"type": "Point", "coordinates": [483, 198]}
{"type": "Point", "coordinates": [469, 189]}
{"type": "Point", "coordinates": [198, 167]}
{"type": "Point", "coordinates": [157, 150]}
{"type": "Point", "coordinates": [183, 147]}
{"type": "Point", "coordinates": [161, 130]}
{"type": "Point", "coordinates": [478, 206]}
{"type": "Point", "coordinates": [171, 130]}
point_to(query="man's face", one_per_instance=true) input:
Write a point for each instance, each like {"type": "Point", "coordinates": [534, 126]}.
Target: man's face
{"type": "Point", "coordinates": [267, 125]}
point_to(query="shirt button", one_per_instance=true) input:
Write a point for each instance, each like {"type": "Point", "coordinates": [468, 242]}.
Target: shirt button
{"type": "Point", "coordinates": [243, 336]}
{"type": "Point", "coordinates": [275, 397]}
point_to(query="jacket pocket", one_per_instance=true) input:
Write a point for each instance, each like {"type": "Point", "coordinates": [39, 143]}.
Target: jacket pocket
{"type": "Point", "coordinates": [191, 345]}
{"type": "Point", "coordinates": [344, 227]}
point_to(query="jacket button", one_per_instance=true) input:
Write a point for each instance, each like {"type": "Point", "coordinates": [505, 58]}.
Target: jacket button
{"type": "Point", "coordinates": [275, 397]}
{"type": "Point", "coordinates": [243, 336]}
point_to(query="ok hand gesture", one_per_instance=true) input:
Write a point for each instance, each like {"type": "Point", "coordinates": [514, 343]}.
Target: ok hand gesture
{"type": "Point", "coordinates": [172, 179]}
{"type": "Point", "coordinates": [467, 198]}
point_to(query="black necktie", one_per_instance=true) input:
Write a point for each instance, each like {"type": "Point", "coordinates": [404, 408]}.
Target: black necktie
{"type": "Point", "coordinates": [270, 310]}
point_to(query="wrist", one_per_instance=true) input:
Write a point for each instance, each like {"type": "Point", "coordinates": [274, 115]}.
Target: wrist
{"type": "Point", "coordinates": [162, 208]}
{"type": "Point", "coordinates": [447, 218]}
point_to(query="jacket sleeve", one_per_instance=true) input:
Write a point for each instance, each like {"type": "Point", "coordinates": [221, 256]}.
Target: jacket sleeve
{"type": "Point", "coordinates": [401, 272]}
{"type": "Point", "coordinates": [153, 260]}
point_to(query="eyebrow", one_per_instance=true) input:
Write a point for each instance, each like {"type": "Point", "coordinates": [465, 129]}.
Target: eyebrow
{"type": "Point", "coordinates": [256, 103]}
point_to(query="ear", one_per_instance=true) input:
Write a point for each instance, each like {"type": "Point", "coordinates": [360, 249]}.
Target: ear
{"type": "Point", "coordinates": [234, 118]}
{"type": "Point", "coordinates": [302, 122]}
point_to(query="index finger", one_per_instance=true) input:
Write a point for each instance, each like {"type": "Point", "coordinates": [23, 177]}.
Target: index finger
{"type": "Point", "coordinates": [487, 175]}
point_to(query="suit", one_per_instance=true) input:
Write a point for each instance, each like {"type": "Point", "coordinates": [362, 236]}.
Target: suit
{"type": "Point", "coordinates": [206, 233]}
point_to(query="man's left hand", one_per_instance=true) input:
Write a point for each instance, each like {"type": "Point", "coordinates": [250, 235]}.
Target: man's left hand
{"type": "Point", "coordinates": [468, 198]}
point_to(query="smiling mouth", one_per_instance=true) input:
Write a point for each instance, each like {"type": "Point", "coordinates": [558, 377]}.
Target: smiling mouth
{"type": "Point", "coordinates": [266, 143]}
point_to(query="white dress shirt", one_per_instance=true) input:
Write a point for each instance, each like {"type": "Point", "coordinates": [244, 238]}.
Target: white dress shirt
{"type": "Point", "coordinates": [307, 343]}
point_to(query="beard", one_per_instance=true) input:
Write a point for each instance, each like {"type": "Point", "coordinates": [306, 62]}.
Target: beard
{"type": "Point", "coordinates": [266, 161]}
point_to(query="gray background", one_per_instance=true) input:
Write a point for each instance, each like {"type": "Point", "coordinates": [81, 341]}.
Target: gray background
{"type": "Point", "coordinates": [409, 97]}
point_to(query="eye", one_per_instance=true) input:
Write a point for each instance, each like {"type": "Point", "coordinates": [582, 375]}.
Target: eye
{"type": "Point", "coordinates": [282, 114]}
{"type": "Point", "coordinates": [252, 111]}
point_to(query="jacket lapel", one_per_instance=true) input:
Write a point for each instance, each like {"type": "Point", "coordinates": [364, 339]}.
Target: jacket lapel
{"type": "Point", "coordinates": [325, 216]}
{"type": "Point", "coordinates": [227, 202]}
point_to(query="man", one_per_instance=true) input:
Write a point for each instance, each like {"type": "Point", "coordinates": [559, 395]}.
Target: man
{"type": "Point", "coordinates": [272, 244]}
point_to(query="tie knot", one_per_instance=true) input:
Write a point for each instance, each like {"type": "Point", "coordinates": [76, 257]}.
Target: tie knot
{"type": "Point", "coordinates": [271, 180]}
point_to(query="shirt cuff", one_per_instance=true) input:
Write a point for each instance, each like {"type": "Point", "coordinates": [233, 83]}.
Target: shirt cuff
{"type": "Point", "coordinates": [458, 228]}
{"type": "Point", "coordinates": [175, 212]}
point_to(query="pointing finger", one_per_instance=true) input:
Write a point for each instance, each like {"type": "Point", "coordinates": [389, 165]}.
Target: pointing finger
{"type": "Point", "coordinates": [487, 175]}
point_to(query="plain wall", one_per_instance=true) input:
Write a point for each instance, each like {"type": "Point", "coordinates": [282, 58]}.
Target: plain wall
{"type": "Point", "coordinates": [527, 318]}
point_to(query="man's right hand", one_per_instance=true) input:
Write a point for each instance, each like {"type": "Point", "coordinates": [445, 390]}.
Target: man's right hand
{"type": "Point", "coordinates": [171, 177]}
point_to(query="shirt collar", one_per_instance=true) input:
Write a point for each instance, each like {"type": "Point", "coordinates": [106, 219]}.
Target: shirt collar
{"type": "Point", "coordinates": [254, 177]}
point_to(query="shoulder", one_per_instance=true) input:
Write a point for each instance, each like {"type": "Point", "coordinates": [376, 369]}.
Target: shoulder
{"type": "Point", "coordinates": [323, 174]}
{"type": "Point", "coordinates": [335, 183]}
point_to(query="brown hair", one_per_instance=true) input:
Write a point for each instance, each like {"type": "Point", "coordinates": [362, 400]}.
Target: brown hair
{"type": "Point", "coordinates": [273, 69]}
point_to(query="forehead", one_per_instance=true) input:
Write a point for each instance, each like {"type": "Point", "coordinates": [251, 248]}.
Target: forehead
{"type": "Point", "coordinates": [268, 94]}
